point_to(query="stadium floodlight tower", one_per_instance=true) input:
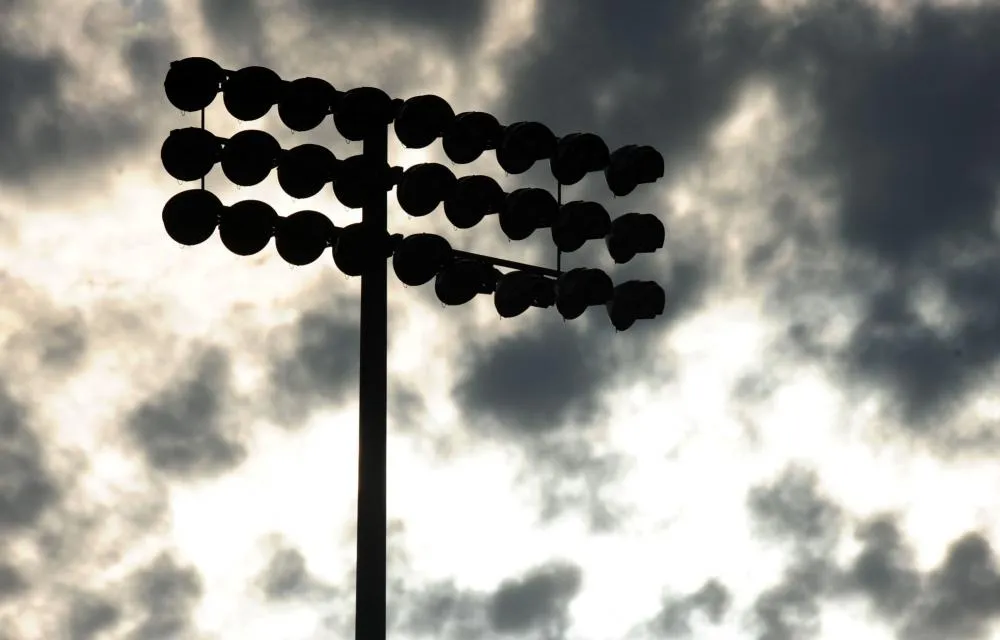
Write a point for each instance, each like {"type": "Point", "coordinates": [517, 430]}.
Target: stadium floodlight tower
{"type": "Point", "coordinates": [363, 181]}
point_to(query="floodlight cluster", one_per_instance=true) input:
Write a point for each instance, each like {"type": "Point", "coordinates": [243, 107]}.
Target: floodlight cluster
{"type": "Point", "coordinates": [248, 157]}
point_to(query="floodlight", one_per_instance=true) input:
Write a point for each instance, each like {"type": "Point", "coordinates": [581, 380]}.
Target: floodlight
{"type": "Point", "coordinates": [423, 187]}
{"type": "Point", "coordinates": [472, 199]}
{"type": "Point", "coordinates": [635, 300]}
{"type": "Point", "coordinates": [190, 217]}
{"type": "Point", "coordinates": [518, 290]}
{"type": "Point", "coordinates": [362, 111]}
{"type": "Point", "coordinates": [302, 237]}
{"type": "Point", "coordinates": [463, 280]}
{"type": "Point", "coordinates": [357, 248]}
{"type": "Point", "coordinates": [247, 226]}
{"type": "Point", "coordinates": [579, 221]}
{"type": "Point", "coordinates": [251, 92]}
{"type": "Point", "coordinates": [421, 120]}
{"type": "Point", "coordinates": [631, 166]}
{"type": "Point", "coordinates": [578, 154]}
{"type": "Point", "coordinates": [306, 102]}
{"type": "Point", "coordinates": [469, 134]}
{"type": "Point", "coordinates": [525, 210]}
{"type": "Point", "coordinates": [189, 154]}
{"type": "Point", "coordinates": [418, 258]}
{"type": "Point", "coordinates": [304, 170]}
{"type": "Point", "coordinates": [249, 156]}
{"type": "Point", "coordinates": [580, 288]}
{"type": "Point", "coordinates": [357, 178]}
{"type": "Point", "coordinates": [192, 83]}
{"type": "Point", "coordinates": [634, 233]}
{"type": "Point", "coordinates": [524, 143]}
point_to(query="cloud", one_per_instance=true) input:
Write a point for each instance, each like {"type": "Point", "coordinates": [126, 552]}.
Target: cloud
{"type": "Point", "coordinates": [674, 620]}
{"type": "Point", "coordinates": [314, 364]}
{"type": "Point", "coordinates": [29, 488]}
{"type": "Point", "coordinates": [183, 429]}
{"type": "Point", "coordinates": [90, 615]}
{"type": "Point", "coordinates": [533, 381]}
{"type": "Point", "coordinates": [792, 508]}
{"type": "Point", "coordinates": [166, 592]}
{"type": "Point", "coordinates": [883, 570]}
{"type": "Point", "coordinates": [536, 601]}
{"type": "Point", "coordinates": [533, 604]}
{"type": "Point", "coordinates": [287, 577]}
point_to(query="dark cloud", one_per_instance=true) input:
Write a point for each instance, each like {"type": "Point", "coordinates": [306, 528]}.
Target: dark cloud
{"type": "Point", "coordinates": [674, 620]}
{"type": "Point", "coordinates": [573, 475]}
{"type": "Point", "coordinates": [534, 381]}
{"type": "Point", "coordinates": [537, 601]}
{"type": "Point", "coordinates": [167, 593]}
{"type": "Point", "coordinates": [183, 429]}
{"type": "Point", "coordinates": [884, 569]}
{"type": "Point", "coordinates": [90, 615]}
{"type": "Point", "coordinates": [790, 610]}
{"type": "Point", "coordinates": [961, 598]}
{"type": "Point", "coordinates": [12, 583]}
{"type": "Point", "coordinates": [534, 604]}
{"type": "Point", "coordinates": [238, 25]}
{"type": "Point", "coordinates": [456, 22]}
{"type": "Point", "coordinates": [287, 577]}
{"type": "Point", "coordinates": [27, 487]}
{"type": "Point", "coordinates": [315, 364]}
{"type": "Point", "coordinates": [793, 508]}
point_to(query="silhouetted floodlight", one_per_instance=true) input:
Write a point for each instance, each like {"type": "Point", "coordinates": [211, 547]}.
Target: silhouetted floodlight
{"type": "Point", "coordinates": [578, 154]}
{"type": "Point", "coordinates": [362, 111]}
{"type": "Point", "coordinates": [249, 156]}
{"type": "Point", "coordinates": [635, 300]}
{"type": "Point", "coordinates": [357, 249]}
{"type": "Point", "coordinates": [302, 237]}
{"type": "Point", "coordinates": [251, 92]}
{"type": "Point", "coordinates": [518, 290]}
{"type": "Point", "coordinates": [192, 83]}
{"type": "Point", "coordinates": [189, 154]}
{"type": "Point", "coordinates": [463, 280]}
{"type": "Point", "coordinates": [631, 166]}
{"type": "Point", "coordinates": [473, 198]}
{"type": "Point", "coordinates": [634, 233]}
{"type": "Point", "coordinates": [526, 210]}
{"type": "Point", "coordinates": [423, 187]}
{"type": "Point", "coordinates": [579, 221]}
{"type": "Point", "coordinates": [357, 178]}
{"type": "Point", "coordinates": [418, 258]}
{"type": "Point", "coordinates": [246, 227]}
{"type": "Point", "coordinates": [469, 134]}
{"type": "Point", "coordinates": [304, 170]}
{"type": "Point", "coordinates": [525, 143]}
{"type": "Point", "coordinates": [306, 102]}
{"type": "Point", "coordinates": [191, 216]}
{"type": "Point", "coordinates": [422, 120]}
{"type": "Point", "coordinates": [578, 289]}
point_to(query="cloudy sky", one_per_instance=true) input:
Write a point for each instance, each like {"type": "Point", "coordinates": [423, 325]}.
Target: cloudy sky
{"type": "Point", "coordinates": [803, 446]}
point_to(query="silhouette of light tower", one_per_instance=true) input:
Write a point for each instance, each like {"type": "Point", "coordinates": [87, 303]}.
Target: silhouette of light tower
{"type": "Point", "coordinates": [363, 249]}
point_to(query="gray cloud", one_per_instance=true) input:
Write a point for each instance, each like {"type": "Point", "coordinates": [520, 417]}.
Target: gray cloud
{"type": "Point", "coordinates": [183, 429]}
{"type": "Point", "coordinates": [884, 570]}
{"type": "Point", "coordinates": [27, 487]}
{"type": "Point", "coordinates": [674, 620]}
{"type": "Point", "coordinates": [790, 609]}
{"type": "Point", "coordinates": [287, 577]}
{"type": "Point", "coordinates": [314, 363]}
{"type": "Point", "coordinates": [90, 615]}
{"type": "Point", "coordinates": [167, 594]}
{"type": "Point", "coordinates": [537, 601]}
{"type": "Point", "coordinates": [534, 381]}
{"type": "Point", "coordinates": [792, 507]}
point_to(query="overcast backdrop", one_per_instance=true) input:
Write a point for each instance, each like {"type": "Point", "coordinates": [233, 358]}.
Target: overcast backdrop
{"type": "Point", "coordinates": [804, 446]}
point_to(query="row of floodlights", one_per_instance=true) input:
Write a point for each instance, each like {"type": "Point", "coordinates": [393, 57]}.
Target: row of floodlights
{"type": "Point", "coordinates": [246, 228]}
{"type": "Point", "coordinates": [303, 104]}
{"type": "Point", "coordinates": [249, 156]}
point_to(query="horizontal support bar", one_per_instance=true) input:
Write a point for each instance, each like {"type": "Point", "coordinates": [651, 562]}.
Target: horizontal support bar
{"type": "Point", "coordinates": [510, 264]}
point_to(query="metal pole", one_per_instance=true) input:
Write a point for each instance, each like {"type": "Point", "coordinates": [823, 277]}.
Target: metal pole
{"type": "Point", "coordinates": [370, 593]}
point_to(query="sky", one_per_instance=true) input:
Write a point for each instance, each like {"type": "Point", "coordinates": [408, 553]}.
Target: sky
{"type": "Point", "coordinates": [803, 446]}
